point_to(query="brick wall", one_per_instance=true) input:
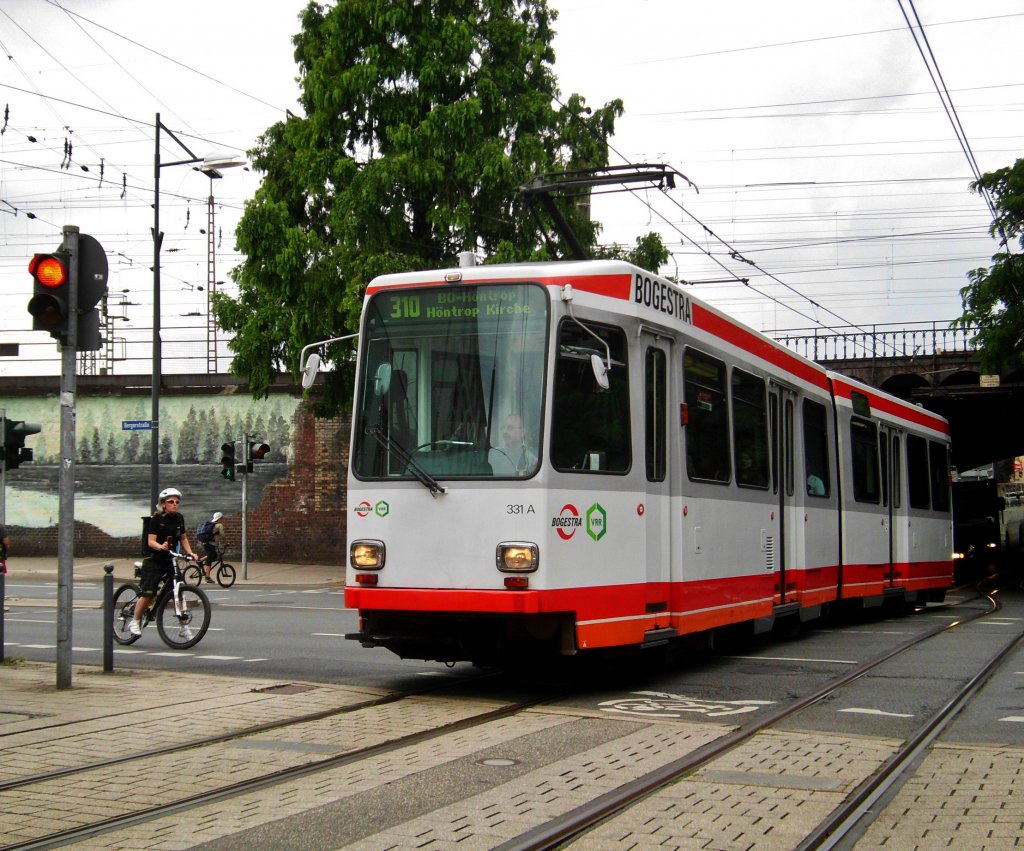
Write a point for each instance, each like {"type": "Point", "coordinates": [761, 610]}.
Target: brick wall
{"type": "Point", "coordinates": [300, 520]}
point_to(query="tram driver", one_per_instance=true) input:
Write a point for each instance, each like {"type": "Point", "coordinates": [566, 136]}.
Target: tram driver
{"type": "Point", "coordinates": [513, 457]}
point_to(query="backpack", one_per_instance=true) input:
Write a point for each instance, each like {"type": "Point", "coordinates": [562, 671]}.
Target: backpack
{"type": "Point", "coordinates": [205, 532]}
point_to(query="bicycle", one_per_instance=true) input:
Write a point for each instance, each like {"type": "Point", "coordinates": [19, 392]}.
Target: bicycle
{"type": "Point", "coordinates": [223, 572]}
{"type": "Point", "coordinates": [182, 613]}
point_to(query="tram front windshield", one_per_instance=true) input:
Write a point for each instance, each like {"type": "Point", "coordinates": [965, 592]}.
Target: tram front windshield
{"type": "Point", "coordinates": [451, 383]}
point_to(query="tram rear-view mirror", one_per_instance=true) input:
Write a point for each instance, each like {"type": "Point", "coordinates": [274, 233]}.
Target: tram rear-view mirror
{"type": "Point", "coordinates": [310, 370]}
{"type": "Point", "coordinates": [600, 371]}
{"type": "Point", "coordinates": [382, 380]}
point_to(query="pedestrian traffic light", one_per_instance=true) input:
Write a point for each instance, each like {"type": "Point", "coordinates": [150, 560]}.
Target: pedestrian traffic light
{"type": "Point", "coordinates": [255, 450]}
{"type": "Point", "coordinates": [51, 293]}
{"type": "Point", "coordinates": [228, 460]}
{"type": "Point", "coordinates": [15, 452]}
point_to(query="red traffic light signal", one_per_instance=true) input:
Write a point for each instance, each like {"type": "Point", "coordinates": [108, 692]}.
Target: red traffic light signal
{"type": "Point", "coordinates": [51, 276]}
{"type": "Point", "coordinates": [49, 269]}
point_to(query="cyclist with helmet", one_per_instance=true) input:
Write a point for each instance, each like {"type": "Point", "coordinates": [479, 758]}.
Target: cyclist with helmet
{"type": "Point", "coordinates": [166, 532]}
{"type": "Point", "coordinates": [214, 545]}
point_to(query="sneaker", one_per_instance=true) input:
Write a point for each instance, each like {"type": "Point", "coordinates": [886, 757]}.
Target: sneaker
{"type": "Point", "coordinates": [185, 634]}
{"type": "Point", "coordinates": [208, 579]}
{"type": "Point", "coordinates": [134, 627]}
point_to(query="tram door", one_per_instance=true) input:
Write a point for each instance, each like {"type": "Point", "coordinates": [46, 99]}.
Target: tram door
{"type": "Point", "coordinates": [657, 506]}
{"type": "Point", "coordinates": [782, 414]}
{"type": "Point", "coordinates": [890, 455]}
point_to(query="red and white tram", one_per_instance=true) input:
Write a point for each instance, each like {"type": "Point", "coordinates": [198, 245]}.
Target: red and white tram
{"type": "Point", "coordinates": [567, 456]}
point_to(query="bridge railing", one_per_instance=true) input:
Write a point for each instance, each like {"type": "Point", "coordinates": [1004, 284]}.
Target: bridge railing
{"type": "Point", "coordinates": [868, 342]}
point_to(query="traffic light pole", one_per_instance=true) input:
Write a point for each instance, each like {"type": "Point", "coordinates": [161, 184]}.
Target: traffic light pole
{"type": "Point", "coordinates": [66, 534]}
{"type": "Point", "coordinates": [245, 506]}
{"type": "Point", "coordinates": [3, 483]}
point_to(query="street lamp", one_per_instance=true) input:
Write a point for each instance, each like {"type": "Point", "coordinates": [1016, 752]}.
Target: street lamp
{"type": "Point", "coordinates": [210, 166]}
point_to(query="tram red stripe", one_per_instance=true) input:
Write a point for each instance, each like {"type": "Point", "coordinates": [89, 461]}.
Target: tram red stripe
{"type": "Point", "coordinates": [758, 346]}
{"type": "Point", "coordinates": [894, 407]}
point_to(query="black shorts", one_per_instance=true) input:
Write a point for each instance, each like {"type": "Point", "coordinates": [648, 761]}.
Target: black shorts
{"type": "Point", "coordinates": [153, 570]}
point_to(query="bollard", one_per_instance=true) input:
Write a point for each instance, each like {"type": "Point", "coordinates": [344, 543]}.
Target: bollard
{"type": "Point", "coordinates": [2, 579]}
{"type": "Point", "coordinates": [108, 617]}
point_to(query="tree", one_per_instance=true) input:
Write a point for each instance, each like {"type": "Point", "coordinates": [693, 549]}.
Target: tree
{"type": "Point", "coordinates": [993, 301]}
{"type": "Point", "coordinates": [421, 120]}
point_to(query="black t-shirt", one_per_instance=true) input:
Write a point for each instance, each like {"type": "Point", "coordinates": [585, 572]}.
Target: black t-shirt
{"type": "Point", "coordinates": [166, 527]}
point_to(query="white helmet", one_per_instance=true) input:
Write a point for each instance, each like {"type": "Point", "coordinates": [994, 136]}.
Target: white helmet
{"type": "Point", "coordinates": [166, 492]}
{"type": "Point", "coordinates": [216, 516]}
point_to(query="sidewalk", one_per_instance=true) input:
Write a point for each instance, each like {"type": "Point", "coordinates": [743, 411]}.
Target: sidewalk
{"type": "Point", "coordinates": [44, 568]}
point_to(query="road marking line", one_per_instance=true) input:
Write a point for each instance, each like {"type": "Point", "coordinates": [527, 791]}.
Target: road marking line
{"type": "Point", "coordinates": [221, 658]}
{"type": "Point", "coordinates": [794, 659]}
{"type": "Point", "coordinates": [860, 711]}
{"type": "Point", "coordinates": [330, 634]}
{"type": "Point", "coordinates": [1017, 719]}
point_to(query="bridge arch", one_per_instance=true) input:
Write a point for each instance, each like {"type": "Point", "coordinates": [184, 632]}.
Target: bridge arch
{"type": "Point", "coordinates": [903, 384]}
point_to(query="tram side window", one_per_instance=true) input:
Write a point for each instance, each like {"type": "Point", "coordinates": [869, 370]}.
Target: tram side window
{"type": "Point", "coordinates": [819, 482]}
{"type": "Point", "coordinates": [917, 472]}
{"type": "Point", "coordinates": [750, 429]}
{"type": "Point", "coordinates": [707, 430]}
{"type": "Point", "coordinates": [590, 429]}
{"type": "Point", "coordinates": [938, 457]}
{"type": "Point", "coordinates": [864, 444]}
{"type": "Point", "coordinates": [655, 409]}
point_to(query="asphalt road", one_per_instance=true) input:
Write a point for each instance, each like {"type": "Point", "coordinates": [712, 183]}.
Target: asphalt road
{"type": "Point", "coordinates": [297, 633]}
{"type": "Point", "coordinates": [291, 632]}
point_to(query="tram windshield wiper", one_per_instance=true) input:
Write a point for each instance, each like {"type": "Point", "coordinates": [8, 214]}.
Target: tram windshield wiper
{"type": "Point", "coordinates": [427, 480]}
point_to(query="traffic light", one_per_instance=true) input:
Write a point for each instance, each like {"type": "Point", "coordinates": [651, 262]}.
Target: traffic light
{"type": "Point", "coordinates": [51, 293]}
{"type": "Point", "coordinates": [51, 300]}
{"type": "Point", "coordinates": [257, 451]}
{"type": "Point", "coordinates": [228, 460]}
{"type": "Point", "coordinates": [15, 452]}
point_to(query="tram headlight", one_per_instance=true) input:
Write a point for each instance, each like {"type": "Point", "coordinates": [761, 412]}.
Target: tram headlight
{"type": "Point", "coordinates": [517, 557]}
{"type": "Point", "coordinates": [367, 555]}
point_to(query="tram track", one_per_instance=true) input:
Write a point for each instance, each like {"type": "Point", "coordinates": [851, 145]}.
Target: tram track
{"type": "Point", "coordinates": [185, 758]}
{"type": "Point", "coordinates": [574, 824]}
{"type": "Point", "coordinates": [242, 732]}
{"type": "Point", "coordinates": [260, 781]}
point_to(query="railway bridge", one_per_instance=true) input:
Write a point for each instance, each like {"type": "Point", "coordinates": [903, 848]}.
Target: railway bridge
{"type": "Point", "coordinates": [935, 366]}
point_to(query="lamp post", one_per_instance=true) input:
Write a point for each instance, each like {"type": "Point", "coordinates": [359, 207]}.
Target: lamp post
{"type": "Point", "coordinates": [208, 165]}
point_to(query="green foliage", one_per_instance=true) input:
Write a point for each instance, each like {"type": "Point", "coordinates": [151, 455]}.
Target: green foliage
{"type": "Point", "coordinates": [421, 121]}
{"type": "Point", "coordinates": [992, 301]}
{"type": "Point", "coordinates": [649, 253]}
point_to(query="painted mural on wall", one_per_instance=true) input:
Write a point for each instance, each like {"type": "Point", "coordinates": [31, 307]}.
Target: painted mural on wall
{"type": "Point", "coordinates": [112, 465]}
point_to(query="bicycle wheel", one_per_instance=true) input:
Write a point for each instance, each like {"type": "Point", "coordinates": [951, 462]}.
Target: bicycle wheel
{"type": "Point", "coordinates": [193, 575]}
{"type": "Point", "coordinates": [189, 630]}
{"type": "Point", "coordinates": [124, 610]}
{"type": "Point", "coordinates": [225, 575]}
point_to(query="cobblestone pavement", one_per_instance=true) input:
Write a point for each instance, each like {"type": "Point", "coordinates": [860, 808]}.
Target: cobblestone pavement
{"type": "Point", "coordinates": [471, 790]}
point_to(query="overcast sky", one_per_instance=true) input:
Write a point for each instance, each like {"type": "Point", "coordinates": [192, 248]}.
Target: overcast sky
{"type": "Point", "coordinates": [825, 170]}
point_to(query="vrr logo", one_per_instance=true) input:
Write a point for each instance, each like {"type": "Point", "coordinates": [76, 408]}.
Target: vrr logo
{"type": "Point", "coordinates": [382, 509]}
{"type": "Point", "coordinates": [597, 521]}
